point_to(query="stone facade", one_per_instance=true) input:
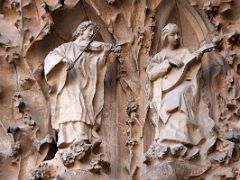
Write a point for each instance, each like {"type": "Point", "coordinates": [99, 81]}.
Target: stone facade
{"type": "Point", "coordinates": [115, 89]}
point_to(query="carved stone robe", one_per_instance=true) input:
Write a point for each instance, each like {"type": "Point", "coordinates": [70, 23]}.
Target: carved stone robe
{"type": "Point", "coordinates": [77, 95]}
{"type": "Point", "coordinates": [172, 112]}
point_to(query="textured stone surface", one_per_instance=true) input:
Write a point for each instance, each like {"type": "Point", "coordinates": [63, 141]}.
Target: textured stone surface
{"type": "Point", "coordinates": [131, 145]}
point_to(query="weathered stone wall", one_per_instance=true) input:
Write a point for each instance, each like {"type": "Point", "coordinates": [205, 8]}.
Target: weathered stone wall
{"type": "Point", "coordinates": [30, 29]}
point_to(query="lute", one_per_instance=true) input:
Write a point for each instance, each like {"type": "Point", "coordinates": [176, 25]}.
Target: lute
{"type": "Point", "coordinates": [177, 75]}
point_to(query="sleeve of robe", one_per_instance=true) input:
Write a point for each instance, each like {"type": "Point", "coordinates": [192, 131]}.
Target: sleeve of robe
{"type": "Point", "coordinates": [158, 67]}
{"type": "Point", "coordinates": [55, 69]}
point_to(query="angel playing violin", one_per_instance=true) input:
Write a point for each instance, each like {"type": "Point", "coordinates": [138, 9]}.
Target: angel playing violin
{"type": "Point", "coordinates": [75, 72]}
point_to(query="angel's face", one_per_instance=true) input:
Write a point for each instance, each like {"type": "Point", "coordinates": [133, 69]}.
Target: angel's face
{"type": "Point", "coordinates": [88, 33]}
{"type": "Point", "coordinates": [173, 37]}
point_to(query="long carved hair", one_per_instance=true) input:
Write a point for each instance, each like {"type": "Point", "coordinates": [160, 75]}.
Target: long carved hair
{"type": "Point", "coordinates": [82, 27]}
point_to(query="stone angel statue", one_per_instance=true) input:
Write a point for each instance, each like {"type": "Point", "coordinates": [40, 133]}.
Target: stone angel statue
{"type": "Point", "coordinates": [173, 89]}
{"type": "Point", "coordinates": [75, 72]}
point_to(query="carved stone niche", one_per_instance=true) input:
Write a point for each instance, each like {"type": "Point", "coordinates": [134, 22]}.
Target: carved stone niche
{"type": "Point", "coordinates": [33, 148]}
{"type": "Point", "coordinates": [75, 73]}
{"type": "Point", "coordinates": [185, 74]}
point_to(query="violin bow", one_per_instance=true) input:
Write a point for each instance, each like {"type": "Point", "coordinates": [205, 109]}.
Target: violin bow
{"type": "Point", "coordinates": [91, 40]}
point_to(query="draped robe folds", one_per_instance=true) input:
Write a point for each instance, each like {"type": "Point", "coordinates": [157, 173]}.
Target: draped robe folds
{"type": "Point", "coordinates": [76, 95]}
{"type": "Point", "coordinates": [172, 112]}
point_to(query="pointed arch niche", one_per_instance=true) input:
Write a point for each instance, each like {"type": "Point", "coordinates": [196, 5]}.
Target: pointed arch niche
{"type": "Point", "coordinates": [195, 29]}
{"type": "Point", "coordinates": [194, 26]}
